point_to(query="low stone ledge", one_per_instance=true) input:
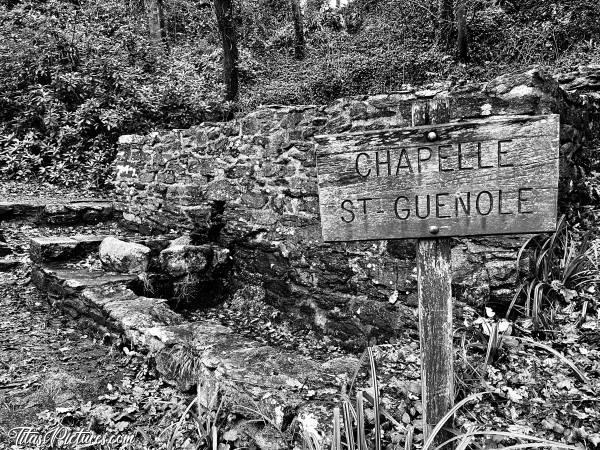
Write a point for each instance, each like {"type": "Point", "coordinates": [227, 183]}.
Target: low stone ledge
{"type": "Point", "coordinates": [279, 384]}
{"type": "Point", "coordinates": [104, 298]}
{"type": "Point", "coordinates": [125, 312]}
{"type": "Point", "coordinates": [60, 282]}
{"type": "Point", "coordinates": [240, 360]}
{"type": "Point", "coordinates": [56, 213]}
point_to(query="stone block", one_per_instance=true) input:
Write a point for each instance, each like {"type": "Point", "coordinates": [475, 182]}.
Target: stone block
{"type": "Point", "coordinates": [58, 248]}
{"type": "Point", "coordinates": [179, 260]}
{"type": "Point", "coordinates": [124, 257]}
{"type": "Point", "coordinates": [221, 190]}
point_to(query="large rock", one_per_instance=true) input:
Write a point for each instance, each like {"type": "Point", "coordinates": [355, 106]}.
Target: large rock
{"type": "Point", "coordinates": [124, 257]}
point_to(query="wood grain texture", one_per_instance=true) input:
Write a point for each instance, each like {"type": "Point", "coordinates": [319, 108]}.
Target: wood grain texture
{"type": "Point", "coordinates": [435, 331]}
{"type": "Point", "coordinates": [434, 277]}
{"type": "Point", "coordinates": [483, 177]}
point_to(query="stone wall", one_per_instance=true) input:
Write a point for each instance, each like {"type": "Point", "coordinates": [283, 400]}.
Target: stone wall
{"type": "Point", "coordinates": [250, 186]}
{"type": "Point", "coordinates": [581, 80]}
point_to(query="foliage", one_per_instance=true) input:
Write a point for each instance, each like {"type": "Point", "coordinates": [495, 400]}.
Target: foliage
{"type": "Point", "coordinates": [376, 46]}
{"type": "Point", "coordinates": [563, 270]}
{"type": "Point", "coordinates": [360, 49]}
{"type": "Point", "coordinates": [351, 424]}
{"type": "Point", "coordinates": [75, 77]}
{"type": "Point", "coordinates": [532, 32]}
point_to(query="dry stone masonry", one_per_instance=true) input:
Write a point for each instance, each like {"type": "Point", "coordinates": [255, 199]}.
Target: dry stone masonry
{"type": "Point", "coordinates": [199, 354]}
{"type": "Point", "coordinates": [246, 191]}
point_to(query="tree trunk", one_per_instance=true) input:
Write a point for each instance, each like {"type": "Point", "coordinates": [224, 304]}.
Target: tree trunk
{"type": "Point", "coordinates": [156, 20]}
{"type": "Point", "coordinates": [298, 28]}
{"type": "Point", "coordinates": [445, 25]}
{"type": "Point", "coordinates": [224, 14]}
{"type": "Point", "coordinates": [462, 43]}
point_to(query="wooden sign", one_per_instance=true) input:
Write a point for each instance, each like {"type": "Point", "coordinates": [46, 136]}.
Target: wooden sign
{"type": "Point", "coordinates": [496, 176]}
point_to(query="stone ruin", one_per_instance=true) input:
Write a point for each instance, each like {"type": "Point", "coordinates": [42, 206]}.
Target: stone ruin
{"type": "Point", "coordinates": [244, 193]}
{"type": "Point", "coordinates": [228, 212]}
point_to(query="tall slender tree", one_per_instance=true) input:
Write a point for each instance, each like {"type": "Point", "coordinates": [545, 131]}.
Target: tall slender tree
{"type": "Point", "coordinates": [445, 25]}
{"type": "Point", "coordinates": [224, 14]}
{"type": "Point", "coordinates": [462, 42]}
{"type": "Point", "coordinates": [299, 48]}
{"type": "Point", "coordinates": [156, 20]}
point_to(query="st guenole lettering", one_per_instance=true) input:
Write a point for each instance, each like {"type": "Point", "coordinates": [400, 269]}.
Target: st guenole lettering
{"type": "Point", "coordinates": [442, 205]}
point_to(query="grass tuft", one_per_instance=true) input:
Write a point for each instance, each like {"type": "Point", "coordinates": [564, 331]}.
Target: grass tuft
{"type": "Point", "coordinates": [561, 270]}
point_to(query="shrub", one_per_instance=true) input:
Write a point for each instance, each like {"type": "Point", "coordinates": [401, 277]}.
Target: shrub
{"type": "Point", "coordinates": [75, 77]}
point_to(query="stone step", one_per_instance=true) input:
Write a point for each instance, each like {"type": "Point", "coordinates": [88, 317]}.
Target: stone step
{"type": "Point", "coordinates": [59, 281]}
{"type": "Point", "coordinates": [5, 249]}
{"type": "Point", "coordinates": [57, 213]}
{"type": "Point", "coordinates": [279, 384]}
{"type": "Point", "coordinates": [103, 297]}
{"type": "Point", "coordinates": [9, 263]}
{"type": "Point", "coordinates": [61, 248]}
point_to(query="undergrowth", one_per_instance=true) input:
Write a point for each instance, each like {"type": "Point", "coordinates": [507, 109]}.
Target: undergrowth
{"type": "Point", "coordinates": [219, 405]}
{"type": "Point", "coordinates": [76, 75]}
{"type": "Point", "coordinates": [349, 429]}
{"type": "Point", "coordinates": [562, 271]}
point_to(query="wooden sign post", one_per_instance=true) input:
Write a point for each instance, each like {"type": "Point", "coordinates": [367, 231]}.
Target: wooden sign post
{"type": "Point", "coordinates": [431, 182]}
{"type": "Point", "coordinates": [434, 293]}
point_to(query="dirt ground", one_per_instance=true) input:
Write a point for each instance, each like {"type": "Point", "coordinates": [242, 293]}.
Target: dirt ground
{"type": "Point", "coordinates": [57, 371]}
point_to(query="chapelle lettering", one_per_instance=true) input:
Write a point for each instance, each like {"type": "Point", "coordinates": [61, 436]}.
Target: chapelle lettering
{"type": "Point", "coordinates": [447, 158]}
{"type": "Point", "coordinates": [457, 179]}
